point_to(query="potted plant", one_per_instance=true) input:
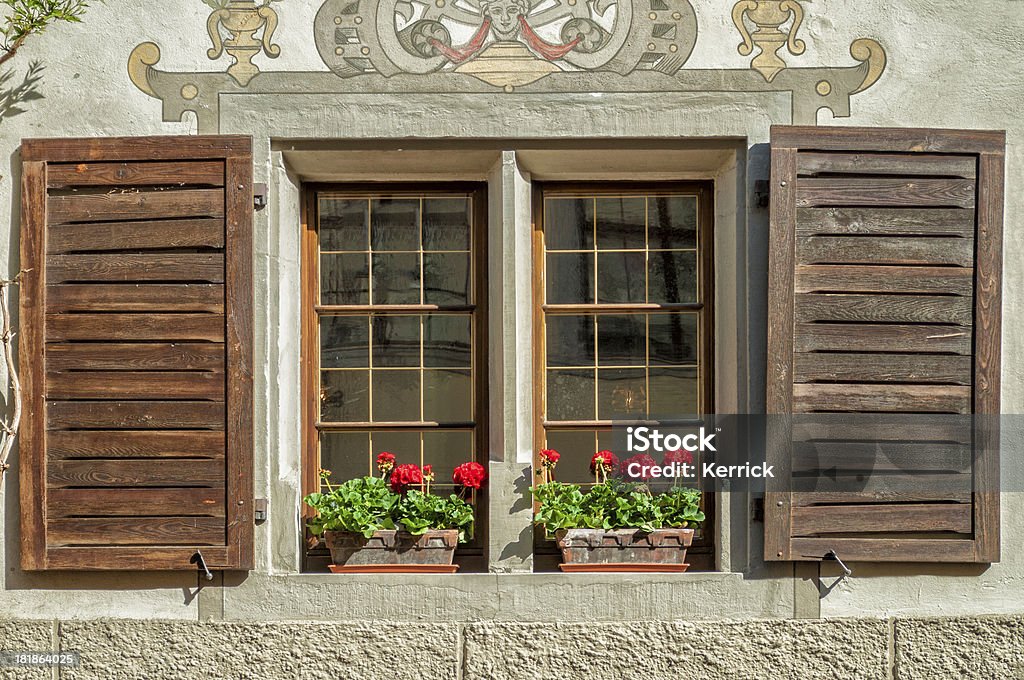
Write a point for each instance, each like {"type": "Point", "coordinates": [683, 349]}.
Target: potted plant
{"type": "Point", "coordinates": [617, 525]}
{"type": "Point", "coordinates": [393, 523]}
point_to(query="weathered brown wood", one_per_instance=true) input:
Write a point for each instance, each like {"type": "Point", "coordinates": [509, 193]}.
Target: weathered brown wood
{"type": "Point", "coordinates": [135, 385]}
{"type": "Point", "coordinates": [844, 457]}
{"type": "Point", "coordinates": [135, 503]}
{"type": "Point", "coordinates": [913, 368]}
{"type": "Point", "coordinates": [133, 267]}
{"type": "Point", "coordinates": [70, 444]}
{"type": "Point", "coordinates": [155, 148]}
{"type": "Point", "coordinates": [934, 309]}
{"type": "Point", "coordinates": [239, 321]}
{"type": "Point", "coordinates": [888, 250]}
{"type": "Point", "coordinates": [813, 498]}
{"type": "Point", "coordinates": [111, 473]}
{"type": "Point", "coordinates": [883, 429]}
{"type": "Point", "coordinates": [885, 221]}
{"type": "Point", "coordinates": [948, 485]}
{"type": "Point", "coordinates": [129, 297]}
{"type": "Point", "coordinates": [145, 235]}
{"type": "Point", "coordinates": [108, 558]}
{"type": "Point", "coordinates": [114, 327]}
{"type": "Point", "coordinates": [905, 165]}
{"type": "Point", "coordinates": [32, 298]}
{"type": "Point", "coordinates": [881, 398]}
{"type": "Point", "coordinates": [185, 356]}
{"type": "Point", "coordinates": [150, 415]}
{"type": "Point", "coordinates": [826, 337]}
{"type": "Point", "coordinates": [868, 279]}
{"type": "Point", "coordinates": [888, 140]}
{"type": "Point", "coordinates": [146, 173]}
{"type": "Point", "coordinates": [106, 531]}
{"type": "Point", "coordinates": [845, 191]}
{"type": "Point", "coordinates": [136, 205]}
{"type": "Point", "coordinates": [885, 549]}
{"type": "Point", "coordinates": [916, 517]}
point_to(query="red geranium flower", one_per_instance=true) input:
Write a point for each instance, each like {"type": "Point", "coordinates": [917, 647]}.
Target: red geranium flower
{"type": "Point", "coordinates": [549, 457]}
{"type": "Point", "coordinates": [405, 476]}
{"type": "Point", "coordinates": [385, 461]}
{"type": "Point", "coordinates": [678, 456]}
{"type": "Point", "coordinates": [470, 475]}
{"type": "Point", "coordinates": [606, 459]}
{"type": "Point", "coordinates": [428, 472]}
{"type": "Point", "coordinates": [641, 459]}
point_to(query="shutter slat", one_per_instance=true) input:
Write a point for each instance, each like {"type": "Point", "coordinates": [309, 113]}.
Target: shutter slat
{"type": "Point", "coordinates": [135, 453]}
{"type": "Point", "coordinates": [136, 444]}
{"type": "Point", "coordinates": [890, 267]}
{"type": "Point", "coordinates": [885, 221]}
{"type": "Point", "coordinates": [885, 250]}
{"type": "Point", "coordinates": [62, 175]}
{"type": "Point", "coordinates": [898, 368]}
{"type": "Point", "coordinates": [144, 235]}
{"type": "Point", "coordinates": [142, 415]}
{"type": "Point", "coordinates": [135, 502]}
{"type": "Point", "coordinates": [867, 279]}
{"type": "Point", "coordinates": [161, 531]}
{"type": "Point", "coordinates": [136, 205]}
{"type": "Point", "coordinates": [136, 268]}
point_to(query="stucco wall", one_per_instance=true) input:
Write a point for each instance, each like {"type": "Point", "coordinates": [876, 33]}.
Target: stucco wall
{"type": "Point", "coordinates": [949, 65]}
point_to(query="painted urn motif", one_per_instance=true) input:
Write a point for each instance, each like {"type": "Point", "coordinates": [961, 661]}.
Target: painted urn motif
{"type": "Point", "coordinates": [243, 19]}
{"type": "Point", "coordinates": [769, 16]}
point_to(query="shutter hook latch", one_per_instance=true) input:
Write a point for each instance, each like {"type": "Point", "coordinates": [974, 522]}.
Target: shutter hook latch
{"type": "Point", "coordinates": [198, 559]}
{"type": "Point", "coordinates": [847, 572]}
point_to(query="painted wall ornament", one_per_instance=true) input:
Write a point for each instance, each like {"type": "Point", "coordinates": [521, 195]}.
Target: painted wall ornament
{"type": "Point", "coordinates": [496, 46]}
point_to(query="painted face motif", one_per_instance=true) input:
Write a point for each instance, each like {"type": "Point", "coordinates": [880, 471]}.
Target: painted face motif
{"type": "Point", "coordinates": [504, 16]}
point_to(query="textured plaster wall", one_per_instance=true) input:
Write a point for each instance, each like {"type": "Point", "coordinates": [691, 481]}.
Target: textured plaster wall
{"type": "Point", "coordinates": [950, 65]}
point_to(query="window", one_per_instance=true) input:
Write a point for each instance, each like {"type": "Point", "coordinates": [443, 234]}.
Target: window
{"type": "Point", "coordinates": [623, 277]}
{"type": "Point", "coordinates": [394, 328]}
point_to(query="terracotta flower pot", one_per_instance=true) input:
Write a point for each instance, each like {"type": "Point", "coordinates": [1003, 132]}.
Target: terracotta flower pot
{"type": "Point", "coordinates": [624, 546]}
{"type": "Point", "coordinates": [392, 547]}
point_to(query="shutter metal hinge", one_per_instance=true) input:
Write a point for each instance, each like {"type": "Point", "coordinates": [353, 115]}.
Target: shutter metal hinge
{"type": "Point", "coordinates": [259, 196]}
{"type": "Point", "coordinates": [260, 510]}
{"type": "Point", "coordinates": [757, 510]}
{"type": "Point", "coordinates": [762, 193]}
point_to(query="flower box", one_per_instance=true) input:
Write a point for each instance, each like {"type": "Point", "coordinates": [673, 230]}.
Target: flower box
{"type": "Point", "coordinates": [619, 547]}
{"type": "Point", "coordinates": [390, 547]}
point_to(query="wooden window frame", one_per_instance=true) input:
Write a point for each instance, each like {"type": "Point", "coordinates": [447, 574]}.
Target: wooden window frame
{"type": "Point", "coordinates": [470, 555]}
{"type": "Point", "coordinates": [702, 553]}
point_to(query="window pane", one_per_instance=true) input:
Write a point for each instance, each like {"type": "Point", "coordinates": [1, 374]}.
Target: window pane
{"type": "Point", "coordinates": [446, 223]}
{"type": "Point", "coordinates": [673, 338]}
{"type": "Point", "coordinates": [344, 396]}
{"type": "Point", "coordinates": [673, 221]}
{"type": "Point", "coordinates": [673, 276]}
{"type": "Point", "coordinates": [577, 448]}
{"type": "Point", "coordinates": [344, 224]}
{"type": "Point", "coordinates": [447, 340]}
{"type": "Point", "coordinates": [344, 342]}
{"type": "Point", "coordinates": [621, 340]}
{"type": "Point", "coordinates": [570, 340]}
{"type": "Point", "coordinates": [445, 450]}
{"type": "Point", "coordinates": [621, 223]}
{"type": "Point", "coordinates": [569, 223]}
{"type": "Point", "coordinates": [346, 455]}
{"type": "Point", "coordinates": [395, 224]}
{"type": "Point", "coordinates": [570, 395]}
{"type": "Point", "coordinates": [344, 279]}
{"type": "Point", "coordinates": [396, 279]}
{"type": "Point", "coordinates": [447, 396]}
{"type": "Point", "coordinates": [621, 393]}
{"type": "Point", "coordinates": [673, 392]}
{"type": "Point", "coordinates": [396, 395]}
{"type": "Point", "coordinates": [570, 278]}
{"type": "Point", "coordinates": [404, 444]}
{"type": "Point", "coordinates": [396, 341]}
{"type": "Point", "coordinates": [446, 278]}
{"type": "Point", "coordinates": [620, 277]}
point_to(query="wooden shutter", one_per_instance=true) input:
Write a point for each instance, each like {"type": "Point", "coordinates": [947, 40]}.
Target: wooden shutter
{"type": "Point", "coordinates": [136, 353]}
{"type": "Point", "coordinates": [884, 297]}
